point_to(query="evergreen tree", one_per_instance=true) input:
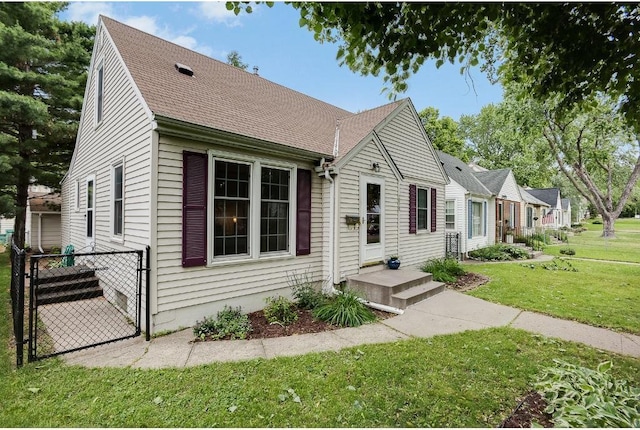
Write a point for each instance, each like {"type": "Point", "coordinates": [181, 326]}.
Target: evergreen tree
{"type": "Point", "coordinates": [43, 72]}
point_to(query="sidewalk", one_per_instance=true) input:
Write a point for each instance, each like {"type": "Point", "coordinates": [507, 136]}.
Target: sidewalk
{"type": "Point", "coordinates": [446, 313]}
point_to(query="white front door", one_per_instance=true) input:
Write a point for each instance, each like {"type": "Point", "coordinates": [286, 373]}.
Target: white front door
{"type": "Point", "coordinates": [90, 214]}
{"type": "Point", "coordinates": [372, 217]}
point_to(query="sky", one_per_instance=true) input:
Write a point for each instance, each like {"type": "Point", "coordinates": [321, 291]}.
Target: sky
{"type": "Point", "coordinates": [285, 53]}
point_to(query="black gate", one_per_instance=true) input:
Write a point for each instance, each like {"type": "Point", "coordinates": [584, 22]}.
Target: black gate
{"type": "Point", "coordinates": [452, 245]}
{"type": "Point", "coordinates": [77, 300]}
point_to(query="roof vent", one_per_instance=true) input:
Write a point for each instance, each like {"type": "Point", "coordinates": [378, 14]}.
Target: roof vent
{"type": "Point", "coordinates": [185, 70]}
{"type": "Point", "coordinates": [458, 167]}
{"type": "Point", "coordinates": [255, 70]}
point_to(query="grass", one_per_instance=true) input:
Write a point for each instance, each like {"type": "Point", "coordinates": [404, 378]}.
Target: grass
{"type": "Point", "coordinates": [470, 379]}
{"type": "Point", "coordinates": [465, 380]}
{"type": "Point", "coordinates": [596, 294]}
{"type": "Point", "coordinates": [589, 244]}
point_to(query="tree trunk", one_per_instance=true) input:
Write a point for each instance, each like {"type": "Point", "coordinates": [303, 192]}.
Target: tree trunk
{"type": "Point", "coordinates": [608, 225]}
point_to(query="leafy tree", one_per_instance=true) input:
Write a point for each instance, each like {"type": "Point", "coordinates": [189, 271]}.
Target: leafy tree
{"type": "Point", "coordinates": [235, 59]}
{"type": "Point", "coordinates": [599, 154]}
{"type": "Point", "coordinates": [43, 71]}
{"type": "Point", "coordinates": [573, 49]}
{"type": "Point", "coordinates": [509, 135]}
{"type": "Point", "coordinates": [444, 133]}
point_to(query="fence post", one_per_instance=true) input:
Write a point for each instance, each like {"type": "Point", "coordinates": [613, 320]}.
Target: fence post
{"type": "Point", "coordinates": [17, 299]}
{"type": "Point", "coordinates": [147, 312]}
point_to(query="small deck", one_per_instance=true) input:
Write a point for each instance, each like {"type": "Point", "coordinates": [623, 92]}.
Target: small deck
{"type": "Point", "coordinates": [398, 288]}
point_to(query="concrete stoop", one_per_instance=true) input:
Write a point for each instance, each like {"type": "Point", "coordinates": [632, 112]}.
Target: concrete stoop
{"type": "Point", "coordinates": [398, 288]}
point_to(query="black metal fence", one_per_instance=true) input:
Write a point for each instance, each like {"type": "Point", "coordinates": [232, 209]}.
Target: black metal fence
{"type": "Point", "coordinates": [18, 259]}
{"type": "Point", "coordinates": [452, 246]}
{"type": "Point", "coordinates": [77, 300]}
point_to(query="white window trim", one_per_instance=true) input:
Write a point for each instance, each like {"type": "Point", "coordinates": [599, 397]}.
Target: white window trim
{"type": "Point", "coordinates": [119, 238]}
{"type": "Point", "coordinates": [454, 214]}
{"type": "Point", "coordinates": [484, 226]}
{"type": "Point", "coordinates": [255, 166]}
{"type": "Point", "coordinates": [90, 241]}
{"type": "Point", "coordinates": [427, 229]}
{"type": "Point", "coordinates": [99, 120]}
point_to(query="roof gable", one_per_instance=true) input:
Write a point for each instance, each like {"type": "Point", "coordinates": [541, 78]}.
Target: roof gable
{"type": "Point", "coordinates": [547, 195]}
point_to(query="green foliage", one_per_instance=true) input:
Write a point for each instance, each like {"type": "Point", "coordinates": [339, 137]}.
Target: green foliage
{"type": "Point", "coordinates": [499, 252]}
{"type": "Point", "coordinates": [305, 291]}
{"type": "Point", "coordinates": [235, 59]}
{"type": "Point", "coordinates": [345, 310]}
{"type": "Point", "coordinates": [229, 323]}
{"type": "Point", "coordinates": [567, 251]}
{"type": "Point", "coordinates": [582, 397]}
{"type": "Point", "coordinates": [43, 72]}
{"type": "Point", "coordinates": [596, 221]}
{"type": "Point", "coordinates": [280, 310]}
{"type": "Point", "coordinates": [559, 264]}
{"type": "Point", "coordinates": [443, 269]}
{"type": "Point", "coordinates": [444, 133]}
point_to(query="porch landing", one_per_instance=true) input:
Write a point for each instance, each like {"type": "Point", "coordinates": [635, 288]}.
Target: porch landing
{"type": "Point", "coordinates": [398, 288]}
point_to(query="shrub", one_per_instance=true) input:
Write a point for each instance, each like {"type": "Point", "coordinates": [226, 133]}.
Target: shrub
{"type": "Point", "coordinates": [280, 310]}
{"type": "Point", "coordinates": [567, 251]}
{"type": "Point", "coordinates": [345, 310]}
{"type": "Point", "coordinates": [582, 397]}
{"type": "Point", "coordinates": [444, 269]}
{"type": "Point", "coordinates": [229, 323]}
{"type": "Point", "coordinates": [499, 252]}
{"type": "Point", "coordinates": [305, 291]}
{"type": "Point", "coordinates": [596, 221]}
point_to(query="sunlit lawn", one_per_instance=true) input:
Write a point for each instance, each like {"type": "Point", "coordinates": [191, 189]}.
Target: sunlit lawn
{"type": "Point", "coordinates": [599, 293]}
{"type": "Point", "coordinates": [589, 244]}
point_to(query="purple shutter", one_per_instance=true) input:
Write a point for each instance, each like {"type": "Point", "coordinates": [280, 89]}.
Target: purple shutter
{"type": "Point", "coordinates": [194, 209]}
{"type": "Point", "coordinates": [434, 212]}
{"type": "Point", "coordinates": [412, 209]}
{"type": "Point", "coordinates": [303, 217]}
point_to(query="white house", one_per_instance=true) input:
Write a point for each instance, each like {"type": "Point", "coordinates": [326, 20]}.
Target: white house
{"type": "Point", "coordinates": [236, 182]}
{"type": "Point", "coordinates": [533, 213]}
{"type": "Point", "coordinates": [552, 217]}
{"type": "Point", "coordinates": [43, 218]}
{"type": "Point", "coordinates": [566, 212]}
{"type": "Point", "coordinates": [469, 206]}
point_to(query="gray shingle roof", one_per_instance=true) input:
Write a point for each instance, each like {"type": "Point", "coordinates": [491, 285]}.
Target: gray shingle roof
{"type": "Point", "coordinates": [548, 195]}
{"type": "Point", "coordinates": [457, 170]}
{"type": "Point", "coordinates": [224, 97]}
{"type": "Point", "coordinates": [530, 198]}
{"type": "Point", "coordinates": [493, 179]}
{"type": "Point", "coordinates": [565, 204]}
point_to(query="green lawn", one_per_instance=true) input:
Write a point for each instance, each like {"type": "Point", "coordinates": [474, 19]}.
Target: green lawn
{"type": "Point", "coordinates": [599, 293]}
{"type": "Point", "coordinates": [589, 244]}
{"type": "Point", "coordinates": [472, 379]}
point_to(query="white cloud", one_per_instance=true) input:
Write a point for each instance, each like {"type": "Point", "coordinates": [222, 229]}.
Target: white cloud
{"type": "Point", "coordinates": [145, 23]}
{"type": "Point", "coordinates": [88, 11]}
{"type": "Point", "coordinates": [216, 11]}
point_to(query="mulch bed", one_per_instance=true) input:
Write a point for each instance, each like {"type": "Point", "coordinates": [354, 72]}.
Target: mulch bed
{"type": "Point", "coordinates": [529, 410]}
{"type": "Point", "coordinates": [468, 282]}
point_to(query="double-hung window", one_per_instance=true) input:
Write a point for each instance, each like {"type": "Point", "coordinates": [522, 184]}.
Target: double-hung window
{"type": "Point", "coordinates": [450, 214]}
{"type": "Point", "coordinates": [477, 218]}
{"type": "Point", "coordinates": [118, 199]}
{"type": "Point", "coordinates": [423, 209]}
{"type": "Point", "coordinates": [231, 203]}
{"type": "Point", "coordinates": [274, 210]}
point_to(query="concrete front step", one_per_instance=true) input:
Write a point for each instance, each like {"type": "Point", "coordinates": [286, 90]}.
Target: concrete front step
{"type": "Point", "coordinates": [380, 286]}
{"type": "Point", "coordinates": [416, 294]}
{"type": "Point", "coordinates": [63, 274]}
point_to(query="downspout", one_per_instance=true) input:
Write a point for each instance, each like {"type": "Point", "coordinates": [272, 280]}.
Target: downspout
{"type": "Point", "coordinates": [327, 176]}
{"type": "Point", "coordinates": [40, 233]}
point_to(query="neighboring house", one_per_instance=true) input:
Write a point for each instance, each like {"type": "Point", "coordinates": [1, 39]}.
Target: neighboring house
{"type": "Point", "coordinates": [552, 217]}
{"type": "Point", "coordinates": [469, 206]}
{"type": "Point", "coordinates": [508, 204]}
{"type": "Point", "coordinates": [533, 213]}
{"type": "Point", "coordinates": [43, 219]}
{"type": "Point", "coordinates": [236, 182]}
{"type": "Point", "coordinates": [566, 213]}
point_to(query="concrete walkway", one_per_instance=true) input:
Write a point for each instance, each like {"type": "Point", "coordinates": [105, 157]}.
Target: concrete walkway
{"type": "Point", "coordinates": [446, 313]}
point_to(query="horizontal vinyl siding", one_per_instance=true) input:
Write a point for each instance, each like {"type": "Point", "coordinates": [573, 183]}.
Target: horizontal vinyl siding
{"type": "Point", "coordinates": [349, 204]}
{"type": "Point", "coordinates": [125, 133]}
{"type": "Point", "coordinates": [186, 295]}
{"type": "Point", "coordinates": [455, 192]}
{"type": "Point", "coordinates": [510, 189]}
{"type": "Point", "coordinates": [406, 143]}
